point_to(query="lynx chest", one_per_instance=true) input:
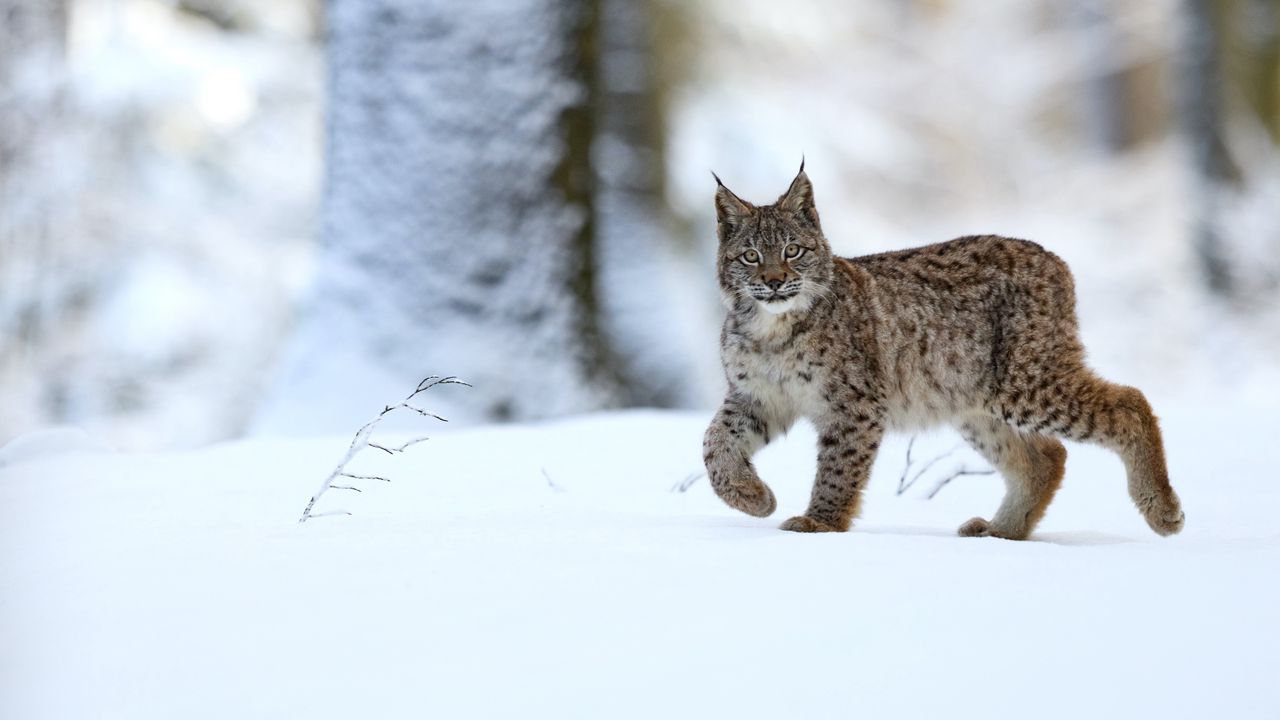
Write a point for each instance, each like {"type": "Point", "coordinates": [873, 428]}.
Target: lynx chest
{"type": "Point", "coordinates": [783, 377]}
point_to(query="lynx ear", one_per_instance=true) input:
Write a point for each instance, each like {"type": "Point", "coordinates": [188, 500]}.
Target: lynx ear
{"type": "Point", "coordinates": [799, 198]}
{"type": "Point", "coordinates": [731, 210]}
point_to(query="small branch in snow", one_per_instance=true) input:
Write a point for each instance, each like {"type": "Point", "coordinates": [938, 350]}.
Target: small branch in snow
{"type": "Point", "coordinates": [551, 483]}
{"type": "Point", "coordinates": [904, 484]}
{"type": "Point", "coordinates": [420, 411]}
{"type": "Point", "coordinates": [902, 481]}
{"type": "Point", "coordinates": [413, 442]}
{"type": "Point", "coordinates": [361, 441]}
{"type": "Point", "coordinates": [687, 482]}
{"type": "Point", "coordinates": [399, 449]}
{"type": "Point", "coordinates": [963, 471]}
{"type": "Point", "coordinates": [364, 477]}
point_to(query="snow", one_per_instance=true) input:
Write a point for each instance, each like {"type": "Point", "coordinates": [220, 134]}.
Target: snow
{"type": "Point", "coordinates": [553, 570]}
{"type": "Point", "coordinates": [51, 442]}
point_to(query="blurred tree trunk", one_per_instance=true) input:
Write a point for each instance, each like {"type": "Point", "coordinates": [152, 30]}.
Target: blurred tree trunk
{"type": "Point", "coordinates": [1258, 59]}
{"type": "Point", "coordinates": [459, 214]}
{"type": "Point", "coordinates": [633, 250]}
{"type": "Point", "coordinates": [1108, 118]}
{"type": "Point", "coordinates": [32, 89]}
{"type": "Point", "coordinates": [1123, 95]}
{"type": "Point", "coordinates": [1201, 116]}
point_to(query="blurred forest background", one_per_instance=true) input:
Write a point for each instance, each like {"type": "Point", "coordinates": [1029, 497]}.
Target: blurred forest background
{"type": "Point", "coordinates": [227, 217]}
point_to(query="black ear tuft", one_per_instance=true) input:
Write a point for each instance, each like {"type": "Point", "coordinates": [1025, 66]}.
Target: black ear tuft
{"type": "Point", "coordinates": [731, 210]}
{"type": "Point", "coordinates": [799, 198]}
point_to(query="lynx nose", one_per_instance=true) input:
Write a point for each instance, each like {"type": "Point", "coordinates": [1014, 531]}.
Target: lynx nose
{"type": "Point", "coordinates": [773, 284]}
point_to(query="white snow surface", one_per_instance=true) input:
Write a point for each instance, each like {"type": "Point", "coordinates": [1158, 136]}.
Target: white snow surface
{"type": "Point", "coordinates": [552, 571]}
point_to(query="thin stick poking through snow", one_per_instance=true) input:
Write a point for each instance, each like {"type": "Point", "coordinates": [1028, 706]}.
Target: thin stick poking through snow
{"type": "Point", "coordinates": [905, 484]}
{"type": "Point", "coordinates": [361, 441]}
{"type": "Point", "coordinates": [902, 481]}
{"type": "Point", "coordinates": [551, 483]}
{"type": "Point", "coordinates": [687, 482]}
{"type": "Point", "coordinates": [958, 473]}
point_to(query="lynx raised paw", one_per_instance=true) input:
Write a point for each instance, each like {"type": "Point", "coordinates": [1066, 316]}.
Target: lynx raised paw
{"type": "Point", "coordinates": [806, 524]}
{"type": "Point", "coordinates": [753, 498]}
{"type": "Point", "coordinates": [1167, 520]}
{"type": "Point", "coordinates": [1168, 524]}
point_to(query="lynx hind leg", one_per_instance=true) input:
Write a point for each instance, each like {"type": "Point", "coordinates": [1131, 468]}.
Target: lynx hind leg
{"type": "Point", "coordinates": [1032, 467]}
{"type": "Point", "coordinates": [1120, 419]}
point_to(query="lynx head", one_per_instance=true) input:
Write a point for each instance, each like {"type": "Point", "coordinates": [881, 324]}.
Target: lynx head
{"type": "Point", "coordinates": [772, 255]}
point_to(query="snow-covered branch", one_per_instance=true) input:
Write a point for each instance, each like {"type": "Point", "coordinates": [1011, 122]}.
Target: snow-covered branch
{"type": "Point", "coordinates": [362, 441]}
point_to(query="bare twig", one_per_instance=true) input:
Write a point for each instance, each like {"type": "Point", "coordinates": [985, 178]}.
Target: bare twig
{"type": "Point", "coordinates": [551, 483]}
{"type": "Point", "coordinates": [364, 477]}
{"type": "Point", "coordinates": [687, 482]}
{"type": "Point", "coordinates": [361, 441]}
{"type": "Point", "coordinates": [963, 471]}
{"type": "Point", "coordinates": [902, 481]}
{"type": "Point", "coordinates": [399, 449]}
{"type": "Point", "coordinates": [410, 444]}
{"type": "Point", "coordinates": [923, 469]}
{"type": "Point", "coordinates": [905, 484]}
{"type": "Point", "coordinates": [420, 411]}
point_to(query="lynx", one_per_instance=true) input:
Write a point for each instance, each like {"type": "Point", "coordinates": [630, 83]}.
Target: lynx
{"type": "Point", "coordinates": [979, 333]}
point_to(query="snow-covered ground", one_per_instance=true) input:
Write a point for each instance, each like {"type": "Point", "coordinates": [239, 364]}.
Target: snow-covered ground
{"type": "Point", "coordinates": [557, 571]}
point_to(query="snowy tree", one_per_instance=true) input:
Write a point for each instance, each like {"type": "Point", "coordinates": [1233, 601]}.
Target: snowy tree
{"type": "Point", "coordinates": [458, 213]}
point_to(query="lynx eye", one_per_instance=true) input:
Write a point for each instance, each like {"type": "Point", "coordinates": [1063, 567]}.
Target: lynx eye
{"type": "Point", "coordinates": [792, 252]}
{"type": "Point", "coordinates": [750, 257]}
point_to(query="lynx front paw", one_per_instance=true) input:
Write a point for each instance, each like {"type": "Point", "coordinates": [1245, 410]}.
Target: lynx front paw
{"type": "Point", "coordinates": [806, 524]}
{"type": "Point", "coordinates": [753, 498]}
{"type": "Point", "coordinates": [1162, 510]}
{"type": "Point", "coordinates": [1167, 520]}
